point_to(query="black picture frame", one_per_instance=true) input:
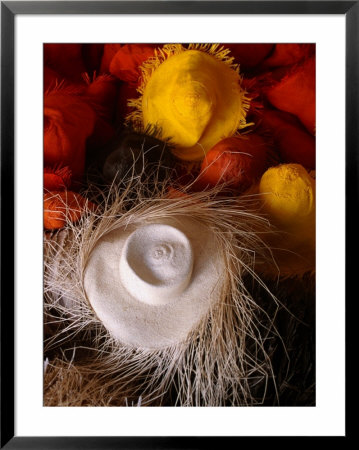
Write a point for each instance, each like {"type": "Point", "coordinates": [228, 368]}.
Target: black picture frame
{"type": "Point", "coordinates": [9, 9]}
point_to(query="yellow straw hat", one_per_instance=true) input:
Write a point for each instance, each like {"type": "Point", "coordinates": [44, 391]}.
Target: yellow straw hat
{"type": "Point", "coordinates": [191, 97]}
{"type": "Point", "coordinates": [288, 193]}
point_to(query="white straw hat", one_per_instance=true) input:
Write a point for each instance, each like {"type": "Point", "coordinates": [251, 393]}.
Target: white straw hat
{"type": "Point", "coordinates": [151, 284]}
{"type": "Point", "coordinates": [155, 286]}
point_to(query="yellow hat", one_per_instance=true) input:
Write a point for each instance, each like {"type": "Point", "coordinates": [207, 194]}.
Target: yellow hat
{"type": "Point", "coordinates": [288, 194]}
{"type": "Point", "coordinates": [191, 97]}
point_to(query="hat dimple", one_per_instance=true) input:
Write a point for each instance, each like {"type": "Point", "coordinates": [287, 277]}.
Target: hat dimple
{"type": "Point", "coordinates": [193, 106]}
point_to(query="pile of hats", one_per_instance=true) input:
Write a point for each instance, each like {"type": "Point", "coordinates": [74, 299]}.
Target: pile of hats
{"type": "Point", "coordinates": [236, 116]}
{"type": "Point", "coordinates": [221, 137]}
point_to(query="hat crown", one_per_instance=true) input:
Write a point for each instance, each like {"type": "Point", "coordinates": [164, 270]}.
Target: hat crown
{"type": "Point", "coordinates": [193, 100]}
{"type": "Point", "coordinates": [156, 263]}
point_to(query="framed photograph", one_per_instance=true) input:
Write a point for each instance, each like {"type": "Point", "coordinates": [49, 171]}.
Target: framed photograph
{"type": "Point", "coordinates": [176, 182]}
